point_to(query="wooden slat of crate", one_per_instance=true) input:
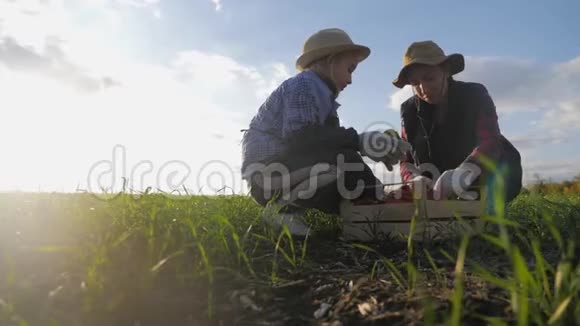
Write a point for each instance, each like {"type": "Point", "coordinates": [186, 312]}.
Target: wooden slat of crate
{"type": "Point", "coordinates": [365, 222]}
{"type": "Point", "coordinates": [435, 218]}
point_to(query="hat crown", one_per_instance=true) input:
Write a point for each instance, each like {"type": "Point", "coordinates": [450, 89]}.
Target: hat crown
{"type": "Point", "coordinates": [328, 42]}
{"type": "Point", "coordinates": [428, 53]}
{"type": "Point", "coordinates": [422, 51]}
{"type": "Point", "coordinates": [325, 38]}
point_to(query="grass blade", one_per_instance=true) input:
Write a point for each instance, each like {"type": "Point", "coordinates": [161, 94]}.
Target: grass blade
{"type": "Point", "coordinates": [457, 299]}
{"type": "Point", "coordinates": [433, 265]}
{"type": "Point", "coordinates": [559, 311]}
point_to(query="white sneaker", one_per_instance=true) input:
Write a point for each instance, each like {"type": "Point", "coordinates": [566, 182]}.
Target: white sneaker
{"type": "Point", "coordinates": [293, 221]}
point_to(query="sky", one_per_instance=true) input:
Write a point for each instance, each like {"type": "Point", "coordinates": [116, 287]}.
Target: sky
{"type": "Point", "coordinates": [157, 91]}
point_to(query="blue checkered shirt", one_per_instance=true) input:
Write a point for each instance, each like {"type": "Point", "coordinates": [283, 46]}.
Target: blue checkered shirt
{"type": "Point", "coordinates": [301, 101]}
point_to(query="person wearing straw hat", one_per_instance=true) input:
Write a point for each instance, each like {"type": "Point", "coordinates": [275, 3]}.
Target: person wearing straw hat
{"type": "Point", "coordinates": [296, 154]}
{"type": "Point", "coordinates": [453, 129]}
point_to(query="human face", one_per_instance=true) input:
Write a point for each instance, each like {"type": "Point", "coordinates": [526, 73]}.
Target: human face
{"type": "Point", "coordinates": [342, 69]}
{"type": "Point", "coordinates": [429, 82]}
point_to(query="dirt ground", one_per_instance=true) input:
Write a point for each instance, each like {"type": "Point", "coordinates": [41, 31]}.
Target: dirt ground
{"type": "Point", "coordinates": [334, 286]}
{"type": "Point", "coordinates": [337, 284]}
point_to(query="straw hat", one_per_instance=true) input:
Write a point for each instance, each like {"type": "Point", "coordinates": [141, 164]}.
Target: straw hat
{"type": "Point", "coordinates": [428, 53]}
{"type": "Point", "coordinates": [326, 42]}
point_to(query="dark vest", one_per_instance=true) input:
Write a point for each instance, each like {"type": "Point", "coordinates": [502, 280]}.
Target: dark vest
{"type": "Point", "coordinates": [448, 144]}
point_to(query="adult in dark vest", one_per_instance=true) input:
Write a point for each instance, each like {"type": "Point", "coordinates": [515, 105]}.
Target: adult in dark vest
{"type": "Point", "coordinates": [453, 129]}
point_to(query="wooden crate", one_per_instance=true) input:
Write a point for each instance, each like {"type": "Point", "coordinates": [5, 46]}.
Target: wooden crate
{"type": "Point", "coordinates": [434, 218]}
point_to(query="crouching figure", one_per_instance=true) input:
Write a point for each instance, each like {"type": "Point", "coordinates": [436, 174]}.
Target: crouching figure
{"type": "Point", "coordinates": [453, 129]}
{"type": "Point", "coordinates": [297, 155]}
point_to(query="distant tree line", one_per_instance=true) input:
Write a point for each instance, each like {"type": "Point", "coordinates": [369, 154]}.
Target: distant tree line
{"type": "Point", "coordinates": [544, 187]}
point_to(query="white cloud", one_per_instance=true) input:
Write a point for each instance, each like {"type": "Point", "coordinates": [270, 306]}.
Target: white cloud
{"type": "Point", "coordinates": [159, 113]}
{"type": "Point", "coordinates": [517, 85]}
{"type": "Point", "coordinates": [157, 13]}
{"type": "Point", "coordinates": [531, 141]}
{"type": "Point", "coordinates": [153, 6]}
{"type": "Point", "coordinates": [234, 86]}
{"type": "Point", "coordinates": [190, 109]}
{"type": "Point", "coordinates": [400, 96]}
{"type": "Point", "coordinates": [48, 17]}
{"type": "Point", "coordinates": [556, 170]}
{"type": "Point", "coordinates": [51, 62]}
{"type": "Point", "coordinates": [520, 85]}
{"type": "Point", "coordinates": [139, 3]}
{"type": "Point", "coordinates": [218, 4]}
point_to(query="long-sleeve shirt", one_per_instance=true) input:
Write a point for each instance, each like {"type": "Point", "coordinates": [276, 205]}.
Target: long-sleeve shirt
{"type": "Point", "coordinates": [298, 109]}
{"type": "Point", "coordinates": [487, 140]}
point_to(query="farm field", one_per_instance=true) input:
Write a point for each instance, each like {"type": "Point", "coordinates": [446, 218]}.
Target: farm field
{"type": "Point", "coordinates": [153, 259]}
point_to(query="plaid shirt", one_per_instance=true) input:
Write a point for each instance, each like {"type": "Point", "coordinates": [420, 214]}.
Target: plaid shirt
{"type": "Point", "coordinates": [488, 136]}
{"type": "Point", "coordinates": [301, 101]}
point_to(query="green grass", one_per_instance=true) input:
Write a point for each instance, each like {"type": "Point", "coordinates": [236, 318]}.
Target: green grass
{"type": "Point", "coordinates": [74, 259]}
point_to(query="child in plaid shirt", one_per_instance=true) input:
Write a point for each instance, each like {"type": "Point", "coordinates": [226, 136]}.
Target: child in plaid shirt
{"type": "Point", "coordinates": [295, 143]}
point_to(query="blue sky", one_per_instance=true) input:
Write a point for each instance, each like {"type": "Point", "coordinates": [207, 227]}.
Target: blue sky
{"type": "Point", "coordinates": [173, 81]}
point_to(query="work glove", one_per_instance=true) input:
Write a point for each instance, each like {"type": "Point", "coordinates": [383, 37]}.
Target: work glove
{"type": "Point", "coordinates": [456, 182]}
{"type": "Point", "coordinates": [400, 150]}
{"type": "Point", "coordinates": [402, 147]}
{"type": "Point", "coordinates": [420, 178]}
{"type": "Point", "coordinates": [377, 145]}
{"type": "Point", "coordinates": [386, 147]}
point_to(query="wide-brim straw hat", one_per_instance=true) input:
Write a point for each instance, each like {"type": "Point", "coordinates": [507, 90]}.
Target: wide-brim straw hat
{"type": "Point", "coordinates": [428, 53]}
{"type": "Point", "coordinates": [327, 42]}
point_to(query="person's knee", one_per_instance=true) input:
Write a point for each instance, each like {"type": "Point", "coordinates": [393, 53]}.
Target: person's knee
{"type": "Point", "coordinates": [326, 199]}
{"type": "Point", "coordinates": [262, 196]}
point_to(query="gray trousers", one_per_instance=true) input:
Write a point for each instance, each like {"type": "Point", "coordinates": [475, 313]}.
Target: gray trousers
{"type": "Point", "coordinates": [317, 180]}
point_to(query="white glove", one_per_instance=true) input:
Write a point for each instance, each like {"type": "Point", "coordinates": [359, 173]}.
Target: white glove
{"type": "Point", "coordinates": [420, 178]}
{"type": "Point", "coordinates": [390, 162]}
{"type": "Point", "coordinates": [386, 147]}
{"type": "Point", "coordinates": [457, 181]}
{"type": "Point", "coordinates": [402, 147]}
{"type": "Point", "coordinates": [377, 145]}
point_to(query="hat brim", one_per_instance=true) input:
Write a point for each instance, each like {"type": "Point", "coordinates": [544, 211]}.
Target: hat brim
{"type": "Point", "coordinates": [456, 65]}
{"type": "Point", "coordinates": [309, 57]}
